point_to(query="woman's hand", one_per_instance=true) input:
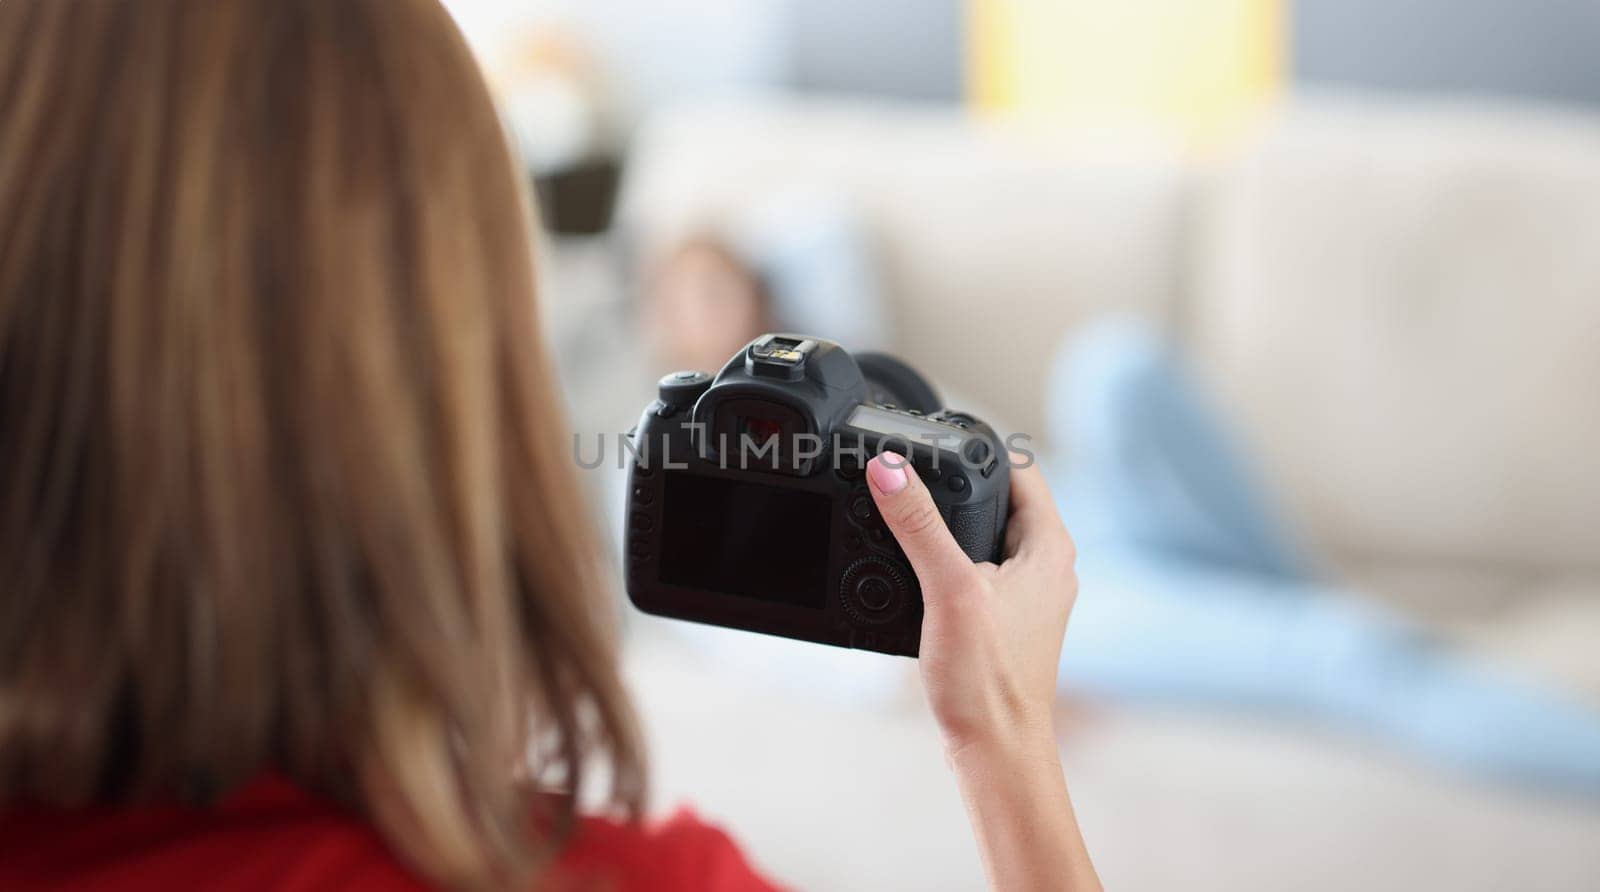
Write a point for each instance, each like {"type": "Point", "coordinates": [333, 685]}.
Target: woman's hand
{"type": "Point", "coordinates": [991, 642]}
{"type": "Point", "coordinates": [991, 635]}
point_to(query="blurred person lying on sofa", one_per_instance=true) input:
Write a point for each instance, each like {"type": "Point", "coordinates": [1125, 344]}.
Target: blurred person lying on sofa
{"type": "Point", "coordinates": [801, 262]}
{"type": "Point", "coordinates": [1196, 591]}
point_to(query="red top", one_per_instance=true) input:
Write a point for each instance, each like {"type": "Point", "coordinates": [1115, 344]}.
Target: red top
{"type": "Point", "coordinates": [272, 835]}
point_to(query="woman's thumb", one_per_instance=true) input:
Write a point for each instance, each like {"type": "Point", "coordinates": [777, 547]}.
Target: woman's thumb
{"type": "Point", "coordinates": [911, 515]}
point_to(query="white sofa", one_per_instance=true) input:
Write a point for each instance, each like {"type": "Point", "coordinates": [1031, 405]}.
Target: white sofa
{"type": "Point", "coordinates": [1400, 306]}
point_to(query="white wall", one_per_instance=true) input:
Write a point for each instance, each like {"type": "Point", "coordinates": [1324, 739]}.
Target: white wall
{"type": "Point", "coordinates": [653, 52]}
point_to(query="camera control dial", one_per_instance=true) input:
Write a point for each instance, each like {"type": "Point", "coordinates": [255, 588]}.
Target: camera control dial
{"type": "Point", "coordinates": [875, 589]}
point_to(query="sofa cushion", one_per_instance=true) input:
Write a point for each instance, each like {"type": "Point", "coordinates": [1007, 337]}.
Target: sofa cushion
{"type": "Point", "coordinates": [1401, 305]}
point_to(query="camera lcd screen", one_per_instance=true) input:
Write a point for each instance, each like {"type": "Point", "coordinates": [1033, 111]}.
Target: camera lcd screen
{"type": "Point", "coordinates": [748, 539]}
{"type": "Point", "coordinates": [907, 427]}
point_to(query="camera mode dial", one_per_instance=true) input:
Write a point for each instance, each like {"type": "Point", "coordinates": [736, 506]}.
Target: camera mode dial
{"type": "Point", "coordinates": [680, 390]}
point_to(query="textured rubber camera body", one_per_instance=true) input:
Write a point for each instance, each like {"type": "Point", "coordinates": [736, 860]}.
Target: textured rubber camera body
{"type": "Point", "coordinates": [748, 506]}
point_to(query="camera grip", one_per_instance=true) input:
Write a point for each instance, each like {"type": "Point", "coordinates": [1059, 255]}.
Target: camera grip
{"type": "Point", "coordinates": [973, 527]}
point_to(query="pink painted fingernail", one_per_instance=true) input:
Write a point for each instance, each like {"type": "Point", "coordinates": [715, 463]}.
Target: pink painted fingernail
{"type": "Point", "coordinates": [888, 472]}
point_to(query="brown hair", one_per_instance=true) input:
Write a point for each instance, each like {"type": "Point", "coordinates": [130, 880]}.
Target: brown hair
{"type": "Point", "coordinates": [283, 479]}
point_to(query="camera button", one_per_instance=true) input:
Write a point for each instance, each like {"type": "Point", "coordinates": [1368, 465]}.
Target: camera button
{"type": "Point", "coordinates": [862, 509]}
{"type": "Point", "coordinates": [848, 468]}
{"type": "Point", "coordinates": [642, 495]}
{"type": "Point", "coordinates": [956, 483]}
{"type": "Point", "coordinates": [875, 593]}
{"type": "Point", "coordinates": [639, 549]}
{"type": "Point", "coordinates": [641, 522]}
{"type": "Point", "coordinates": [879, 535]}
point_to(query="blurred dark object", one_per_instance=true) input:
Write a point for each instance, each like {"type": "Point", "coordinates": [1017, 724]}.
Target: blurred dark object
{"type": "Point", "coordinates": [579, 200]}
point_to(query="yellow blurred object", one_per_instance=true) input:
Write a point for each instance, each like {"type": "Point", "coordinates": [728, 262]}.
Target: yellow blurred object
{"type": "Point", "coordinates": [1194, 71]}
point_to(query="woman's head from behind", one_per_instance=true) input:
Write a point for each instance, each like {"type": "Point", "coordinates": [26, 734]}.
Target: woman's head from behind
{"type": "Point", "coordinates": [283, 482]}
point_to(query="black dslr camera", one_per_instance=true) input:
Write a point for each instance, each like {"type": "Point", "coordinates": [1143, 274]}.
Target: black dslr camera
{"type": "Point", "coordinates": [748, 508]}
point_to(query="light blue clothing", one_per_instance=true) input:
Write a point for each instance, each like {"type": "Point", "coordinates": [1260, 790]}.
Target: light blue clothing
{"type": "Point", "coordinates": [1155, 459]}
{"type": "Point", "coordinates": [1191, 591]}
